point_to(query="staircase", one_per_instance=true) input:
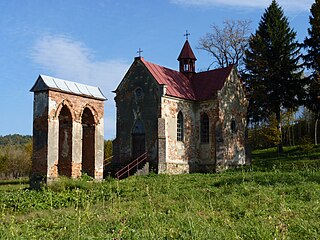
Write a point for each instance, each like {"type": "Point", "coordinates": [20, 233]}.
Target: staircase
{"type": "Point", "coordinates": [132, 167]}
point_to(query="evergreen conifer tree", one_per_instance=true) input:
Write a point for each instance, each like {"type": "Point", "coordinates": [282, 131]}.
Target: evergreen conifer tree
{"type": "Point", "coordinates": [312, 43]}
{"type": "Point", "coordinates": [273, 73]}
{"type": "Point", "coordinates": [312, 61]}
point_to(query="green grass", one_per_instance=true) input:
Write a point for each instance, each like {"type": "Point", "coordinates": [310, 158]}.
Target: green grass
{"type": "Point", "coordinates": [13, 185]}
{"type": "Point", "coordinates": [278, 197]}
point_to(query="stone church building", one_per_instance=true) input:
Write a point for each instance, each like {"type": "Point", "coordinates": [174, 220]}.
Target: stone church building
{"type": "Point", "coordinates": [185, 121]}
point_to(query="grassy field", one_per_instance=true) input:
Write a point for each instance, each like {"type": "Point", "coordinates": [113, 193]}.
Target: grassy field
{"type": "Point", "coordinates": [278, 197]}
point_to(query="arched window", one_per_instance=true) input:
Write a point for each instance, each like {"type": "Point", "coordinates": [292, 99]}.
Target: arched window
{"type": "Point", "coordinates": [204, 128]}
{"type": "Point", "coordinates": [233, 126]}
{"type": "Point", "coordinates": [180, 127]}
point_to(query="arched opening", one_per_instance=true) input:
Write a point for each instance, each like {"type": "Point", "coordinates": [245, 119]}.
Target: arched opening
{"type": "Point", "coordinates": [138, 139]}
{"type": "Point", "coordinates": [180, 127]}
{"type": "Point", "coordinates": [88, 142]}
{"type": "Point", "coordinates": [204, 128]}
{"type": "Point", "coordinates": [233, 126]}
{"type": "Point", "coordinates": [65, 143]}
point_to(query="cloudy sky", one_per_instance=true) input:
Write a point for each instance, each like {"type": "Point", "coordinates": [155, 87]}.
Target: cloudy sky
{"type": "Point", "coordinates": [95, 41]}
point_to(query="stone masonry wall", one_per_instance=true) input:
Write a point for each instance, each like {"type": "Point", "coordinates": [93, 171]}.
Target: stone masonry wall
{"type": "Point", "coordinates": [180, 155]}
{"type": "Point", "coordinates": [232, 107]}
{"type": "Point", "coordinates": [207, 151]}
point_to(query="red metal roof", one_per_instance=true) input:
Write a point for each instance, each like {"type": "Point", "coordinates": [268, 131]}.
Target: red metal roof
{"type": "Point", "coordinates": [178, 85]}
{"type": "Point", "coordinates": [186, 52]}
{"type": "Point", "coordinates": [207, 83]}
{"type": "Point", "coordinates": [201, 86]}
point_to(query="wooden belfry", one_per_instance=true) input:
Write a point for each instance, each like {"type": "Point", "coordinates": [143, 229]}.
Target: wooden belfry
{"type": "Point", "coordinates": [68, 130]}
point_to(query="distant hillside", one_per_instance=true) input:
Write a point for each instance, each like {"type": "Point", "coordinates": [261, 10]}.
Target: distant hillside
{"type": "Point", "coordinates": [14, 139]}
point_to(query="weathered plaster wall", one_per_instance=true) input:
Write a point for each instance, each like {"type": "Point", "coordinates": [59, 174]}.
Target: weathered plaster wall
{"type": "Point", "coordinates": [232, 106]}
{"type": "Point", "coordinates": [40, 133]}
{"type": "Point", "coordinates": [131, 107]}
{"type": "Point", "coordinates": [99, 149]}
{"type": "Point", "coordinates": [180, 155]}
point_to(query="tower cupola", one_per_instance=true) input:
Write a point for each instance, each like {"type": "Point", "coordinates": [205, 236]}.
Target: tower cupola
{"type": "Point", "coordinates": [187, 60]}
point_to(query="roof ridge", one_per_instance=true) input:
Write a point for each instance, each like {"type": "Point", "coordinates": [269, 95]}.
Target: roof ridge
{"type": "Point", "coordinates": [178, 85]}
{"type": "Point", "coordinates": [51, 83]}
{"type": "Point", "coordinates": [200, 87]}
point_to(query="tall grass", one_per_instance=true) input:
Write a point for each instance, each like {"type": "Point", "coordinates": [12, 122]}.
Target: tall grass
{"type": "Point", "coordinates": [277, 198]}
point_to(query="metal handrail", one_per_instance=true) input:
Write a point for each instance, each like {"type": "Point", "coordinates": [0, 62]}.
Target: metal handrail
{"type": "Point", "coordinates": [130, 166]}
{"type": "Point", "coordinates": [106, 161]}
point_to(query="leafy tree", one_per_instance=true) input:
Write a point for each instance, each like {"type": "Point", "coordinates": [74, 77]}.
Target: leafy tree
{"type": "Point", "coordinates": [15, 160]}
{"type": "Point", "coordinates": [13, 139]}
{"type": "Point", "coordinates": [107, 149]}
{"type": "Point", "coordinates": [312, 61]}
{"type": "Point", "coordinates": [265, 135]}
{"type": "Point", "coordinates": [227, 44]}
{"type": "Point", "coordinates": [288, 123]}
{"type": "Point", "coordinates": [273, 74]}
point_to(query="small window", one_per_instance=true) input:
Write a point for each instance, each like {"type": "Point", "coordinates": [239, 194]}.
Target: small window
{"type": "Point", "coordinates": [180, 127]}
{"type": "Point", "coordinates": [138, 93]}
{"type": "Point", "coordinates": [233, 126]}
{"type": "Point", "coordinates": [204, 128]}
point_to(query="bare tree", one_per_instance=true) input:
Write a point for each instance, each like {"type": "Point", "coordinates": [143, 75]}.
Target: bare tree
{"type": "Point", "coordinates": [227, 44]}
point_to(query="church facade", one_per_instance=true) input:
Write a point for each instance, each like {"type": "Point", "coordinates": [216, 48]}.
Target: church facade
{"type": "Point", "coordinates": [185, 121]}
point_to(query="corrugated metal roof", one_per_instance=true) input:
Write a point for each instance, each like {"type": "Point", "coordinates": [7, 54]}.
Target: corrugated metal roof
{"type": "Point", "coordinates": [178, 85]}
{"type": "Point", "coordinates": [46, 82]}
{"type": "Point", "coordinates": [200, 87]}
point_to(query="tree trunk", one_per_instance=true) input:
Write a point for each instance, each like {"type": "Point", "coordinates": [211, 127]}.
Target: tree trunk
{"type": "Point", "coordinates": [315, 132]}
{"type": "Point", "coordinates": [292, 128]}
{"type": "Point", "coordinates": [247, 146]}
{"type": "Point", "coordinates": [289, 135]}
{"type": "Point", "coordinates": [280, 144]}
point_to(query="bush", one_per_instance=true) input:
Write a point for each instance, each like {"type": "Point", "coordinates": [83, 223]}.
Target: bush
{"type": "Point", "coordinates": [15, 160]}
{"type": "Point", "coordinates": [306, 144]}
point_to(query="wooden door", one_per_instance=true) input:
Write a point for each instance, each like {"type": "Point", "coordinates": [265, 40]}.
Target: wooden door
{"type": "Point", "coordinates": [138, 139]}
{"type": "Point", "coordinates": [138, 145]}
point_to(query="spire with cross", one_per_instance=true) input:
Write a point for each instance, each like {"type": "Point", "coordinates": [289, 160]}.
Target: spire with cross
{"type": "Point", "coordinates": [187, 35]}
{"type": "Point", "coordinates": [139, 52]}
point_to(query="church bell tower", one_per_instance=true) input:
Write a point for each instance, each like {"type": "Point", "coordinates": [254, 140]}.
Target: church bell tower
{"type": "Point", "coordinates": [187, 59]}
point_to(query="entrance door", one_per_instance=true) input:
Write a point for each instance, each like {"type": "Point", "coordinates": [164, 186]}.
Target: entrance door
{"type": "Point", "coordinates": [138, 145]}
{"type": "Point", "coordinates": [138, 139]}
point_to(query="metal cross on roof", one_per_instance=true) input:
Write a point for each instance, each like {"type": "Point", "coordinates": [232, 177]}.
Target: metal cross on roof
{"type": "Point", "coordinates": [139, 52]}
{"type": "Point", "coordinates": [187, 35]}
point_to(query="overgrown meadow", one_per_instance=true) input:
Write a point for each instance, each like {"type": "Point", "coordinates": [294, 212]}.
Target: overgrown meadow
{"type": "Point", "coordinates": [275, 198]}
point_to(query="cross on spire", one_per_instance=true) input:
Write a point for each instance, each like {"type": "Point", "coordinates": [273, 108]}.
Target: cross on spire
{"type": "Point", "coordinates": [139, 52]}
{"type": "Point", "coordinates": [187, 35]}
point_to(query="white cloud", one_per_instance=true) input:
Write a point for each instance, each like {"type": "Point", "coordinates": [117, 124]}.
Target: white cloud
{"type": "Point", "coordinates": [65, 58]}
{"type": "Point", "coordinates": [291, 5]}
